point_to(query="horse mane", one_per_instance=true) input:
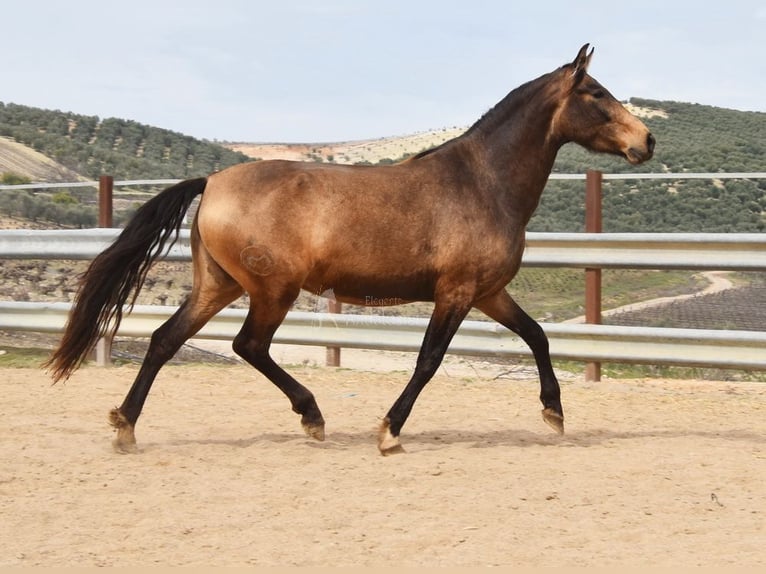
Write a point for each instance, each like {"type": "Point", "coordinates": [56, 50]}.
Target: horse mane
{"type": "Point", "coordinates": [431, 150]}
{"type": "Point", "coordinates": [506, 107]}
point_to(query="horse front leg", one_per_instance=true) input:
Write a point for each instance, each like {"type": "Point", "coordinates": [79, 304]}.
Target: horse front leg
{"type": "Point", "coordinates": [441, 328]}
{"type": "Point", "coordinates": [503, 309]}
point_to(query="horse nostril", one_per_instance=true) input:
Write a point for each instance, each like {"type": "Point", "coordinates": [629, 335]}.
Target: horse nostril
{"type": "Point", "coordinates": [650, 141]}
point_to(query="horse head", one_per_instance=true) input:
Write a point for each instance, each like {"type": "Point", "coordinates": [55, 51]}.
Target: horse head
{"type": "Point", "coordinates": [592, 117]}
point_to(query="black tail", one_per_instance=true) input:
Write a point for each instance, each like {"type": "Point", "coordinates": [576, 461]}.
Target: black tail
{"type": "Point", "coordinates": [119, 270]}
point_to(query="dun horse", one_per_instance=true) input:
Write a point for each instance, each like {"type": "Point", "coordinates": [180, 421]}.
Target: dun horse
{"type": "Point", "coordinates": [445, 226]}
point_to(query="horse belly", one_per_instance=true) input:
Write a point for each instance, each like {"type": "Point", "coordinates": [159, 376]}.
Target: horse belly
{"type": "Point", "coordinates": [371, 286]}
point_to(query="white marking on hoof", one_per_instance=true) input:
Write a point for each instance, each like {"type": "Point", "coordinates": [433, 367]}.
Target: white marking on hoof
{"type": "Point", "coordinates": [387, 443]}
{"type": "Point", "coordinates": [125, 443]}
{"type": "Point", "coordinates": [123, 447]}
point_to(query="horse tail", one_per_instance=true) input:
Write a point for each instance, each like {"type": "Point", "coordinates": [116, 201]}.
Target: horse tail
{"type": "Point", "coordinates": [118, 271]}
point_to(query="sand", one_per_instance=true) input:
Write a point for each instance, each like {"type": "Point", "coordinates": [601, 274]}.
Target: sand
{"type": "Point", "coordinates": [650, 472]}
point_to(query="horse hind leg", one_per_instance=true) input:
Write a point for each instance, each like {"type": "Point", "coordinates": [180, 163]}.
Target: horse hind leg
{"type": "Point", "coordinates": [164, 343]}
{"type": "Point", "coordinates": [212, 291]}
{"type": "Point", "coordinates": [253, 343]}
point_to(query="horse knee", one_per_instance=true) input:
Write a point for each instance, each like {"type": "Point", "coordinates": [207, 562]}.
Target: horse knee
{"type": "Point", "coordinates": [535, 336]}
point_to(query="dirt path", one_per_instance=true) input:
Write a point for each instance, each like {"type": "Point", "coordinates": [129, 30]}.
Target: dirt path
{"type": "Point", "coordinates": [718, 282]}
{"type": "Point", "coordinates": [649, 473]}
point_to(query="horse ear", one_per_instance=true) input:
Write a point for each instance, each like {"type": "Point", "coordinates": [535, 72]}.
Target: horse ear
{"type": "Point", "coordinates": [580, 64]}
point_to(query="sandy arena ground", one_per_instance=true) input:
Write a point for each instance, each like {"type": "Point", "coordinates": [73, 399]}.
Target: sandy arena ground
{"type": "Point", "coordinates": [649, 473]}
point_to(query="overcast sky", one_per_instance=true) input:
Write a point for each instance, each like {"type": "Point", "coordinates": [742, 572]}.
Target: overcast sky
{"type": "Point", "coordinates": [334, 70]}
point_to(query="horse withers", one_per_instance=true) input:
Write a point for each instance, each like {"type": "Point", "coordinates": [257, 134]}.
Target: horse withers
{"type": "Point", "coordinates": [445, 226]}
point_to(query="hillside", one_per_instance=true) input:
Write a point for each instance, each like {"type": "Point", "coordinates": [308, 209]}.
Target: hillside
{"type": "Point", "coordinates": [690, 137]}
{"type": "Point", "coordinates": [29, 164]}
{"type": "Point", "coordinates": [353, 152]}
{"type": "Point", "coordinates": [125, 149]}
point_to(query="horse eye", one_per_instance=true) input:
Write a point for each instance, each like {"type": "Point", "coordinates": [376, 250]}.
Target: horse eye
{"type": "Point", "coordinates": [598, 94]}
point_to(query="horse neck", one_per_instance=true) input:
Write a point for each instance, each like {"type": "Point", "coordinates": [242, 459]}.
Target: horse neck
{"type": "Point", "coordinates": [516, 141]}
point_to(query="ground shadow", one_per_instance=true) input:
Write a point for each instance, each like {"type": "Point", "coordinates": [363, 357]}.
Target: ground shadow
{"type": "Point", "coordinates": [434, 439]}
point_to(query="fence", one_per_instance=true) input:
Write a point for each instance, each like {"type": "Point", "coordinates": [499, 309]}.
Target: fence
{"type": "Point", "coordinates": [580, 342]}
{"type": "Point", "coordinates": [592, 342]}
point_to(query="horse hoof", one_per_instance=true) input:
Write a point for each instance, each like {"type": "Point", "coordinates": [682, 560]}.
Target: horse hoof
{"type": "Point", "coordinates": [123, 447]}
{"type": "Point", "coordinates": [388, 444]}
{"type": "Point", "coordinates": [125, 443]}
{"type": "Point", "coordinates": [396, 449]}
{"type": "Point", "coordinates": [315, 431]}
{"type": "Point", "coordinates": [554, 420]}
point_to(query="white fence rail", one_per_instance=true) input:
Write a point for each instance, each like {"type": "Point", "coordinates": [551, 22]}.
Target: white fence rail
{"type": "Point", "coordinates": [598, 343]}
{"type": "Point", "coordinates": [602, 343]}
{"type": "Point", "coordinates": [561, 176]}
{"type": "Point", "coordinates": [712, 251]}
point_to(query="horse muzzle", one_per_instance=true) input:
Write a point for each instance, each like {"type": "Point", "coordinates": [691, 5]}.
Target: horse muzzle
{"type": "Point", "coordinates": [637, 155]}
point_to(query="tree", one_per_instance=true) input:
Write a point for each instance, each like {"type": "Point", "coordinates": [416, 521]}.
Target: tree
{"type": "Point", "coordinates": [10, 178]}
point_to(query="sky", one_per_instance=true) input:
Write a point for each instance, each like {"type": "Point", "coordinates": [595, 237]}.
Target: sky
{"type": "Point", "coordinates": [341, 70]}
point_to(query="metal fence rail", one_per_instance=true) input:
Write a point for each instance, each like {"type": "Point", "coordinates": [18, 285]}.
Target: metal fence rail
{"type": "Point", "coordinates": [560, 176]}
{"type": "Point", "coordinates": [603, 343]}
{"type": "Point", "coordinates": [713, 251]}
{"type": "Point", "coordinates": [589, 342]}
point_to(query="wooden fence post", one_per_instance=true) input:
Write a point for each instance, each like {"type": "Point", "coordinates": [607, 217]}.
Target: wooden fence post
{"type": "Point", "coordinates": [593, 222]}
{"type": "Point", "coordinates": [105, 219]}
{"type": "Point", "coordinates": [333, 353]}
{"type": "Point", "coordinates": [105, 194]}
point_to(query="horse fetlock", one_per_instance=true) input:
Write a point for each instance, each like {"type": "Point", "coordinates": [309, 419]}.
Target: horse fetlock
{"type": "Point", "coordinates": [117, 419]}
{"type": "Point", "coordinates": [388, 444]}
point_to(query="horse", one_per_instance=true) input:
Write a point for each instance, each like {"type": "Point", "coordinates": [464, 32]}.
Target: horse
{"type": "Point", "coordinates": [445, 226]}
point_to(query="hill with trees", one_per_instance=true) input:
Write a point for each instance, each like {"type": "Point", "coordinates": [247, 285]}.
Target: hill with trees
{"type": "Point", "coordinates": [122, 148]}
{"type": "Point", "coordinates": [690, 138]}
{"type": "Point", "coordinates": [74, 146]}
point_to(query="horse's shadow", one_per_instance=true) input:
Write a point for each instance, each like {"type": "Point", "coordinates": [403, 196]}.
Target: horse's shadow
{"type": "Point", "coordinates": [445, 438]}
